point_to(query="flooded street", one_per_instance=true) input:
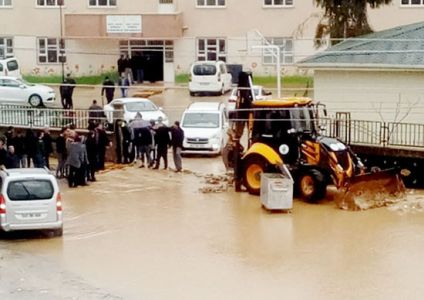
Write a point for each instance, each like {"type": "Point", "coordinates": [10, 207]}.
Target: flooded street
{"type": "Point", "coordinates": [147, 234]}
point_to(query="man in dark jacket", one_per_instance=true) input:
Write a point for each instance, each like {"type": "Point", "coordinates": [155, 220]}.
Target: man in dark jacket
{"type": "Point", "coordinates": [3, 152]}
{"type": "Point", "coordinates": [12, 160]}
{"type": "Point", "coordinates": [20, 148]}
{"type": "Point", "coordinates": [63, 89]}
{"type": "Point", "coordinates": [95, 114]}
{"type": "Point", "coordinates": [40, 153]}
{"type": "Point", "coordinates": [177, 145]}
{"type": "Point", "coordinates": [91, 146]}
{"type": "Point", "coordinates": [121, 65]}
{"type": "Point", "coordinates": [61, 154]}
{"type": "Point", "coordinates": [108, 89]}
{"type": "Point", "coordinates": [48, 147]}
{"type": "Point", "coordinates": [143, 140]}
{"type": "Point", "coordinates": [162, 140]}
{"type": "Point", "coordinates": [102, 142]}
{"type": "Point", "coordinates": [70, 91]}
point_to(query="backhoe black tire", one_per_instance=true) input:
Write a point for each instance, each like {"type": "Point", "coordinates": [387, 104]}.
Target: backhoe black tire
{"type": "Point", "coordinates": [311, 185]}
{"type": "Point", "coordinates": [252, 169]}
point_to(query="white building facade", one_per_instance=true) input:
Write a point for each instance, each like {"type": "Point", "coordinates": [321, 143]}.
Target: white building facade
{"type": "Point", "coordinates": [88, 36]}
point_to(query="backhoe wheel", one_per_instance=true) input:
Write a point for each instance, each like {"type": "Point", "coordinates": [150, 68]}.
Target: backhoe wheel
{"type": "Point", "coordinates": [253, 168]}
{"type": "Point", "coordinates": [311, 185]}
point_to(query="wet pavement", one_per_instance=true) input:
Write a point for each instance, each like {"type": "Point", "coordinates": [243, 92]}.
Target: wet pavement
{"type": "Point", "coordinates": [151, 234]}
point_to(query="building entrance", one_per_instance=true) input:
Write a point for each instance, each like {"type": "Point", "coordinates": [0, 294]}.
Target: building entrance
{"type": "Point", "coordinates": [150, 55]}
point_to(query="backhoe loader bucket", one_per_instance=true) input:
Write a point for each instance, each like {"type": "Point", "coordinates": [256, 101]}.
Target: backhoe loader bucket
{"type": "Point", "coordinates": [371, 190]}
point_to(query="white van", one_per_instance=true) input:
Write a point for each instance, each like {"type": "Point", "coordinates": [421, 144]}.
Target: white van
{"type": "Point", "coordinates": [10, 67]}
{"type": "Point", "coordinates": [205, 125]}
{"type": "Point", "coordinates": [30, 200]}
{"type": "Point", "coordinates": [209, 77]}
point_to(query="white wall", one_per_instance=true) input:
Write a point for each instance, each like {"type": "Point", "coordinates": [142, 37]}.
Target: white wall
{"type": "Point", "coordinates": [372, 95]}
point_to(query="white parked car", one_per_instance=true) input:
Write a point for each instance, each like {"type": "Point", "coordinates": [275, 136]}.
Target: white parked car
{"type": "Point", "coordinates": [30, 200]}
{"type": "Point", "coordinates": [127, 108]}
{"type": "Point", "coordinates": [205, 125]}
{"type": "Point", "coordinates": [209, 77]}
{"type": "Point", "coordinates": [14, 90]}
{"type": "Point", "coordinates": [260, 94]}
{"type": "Point", "coordinates": [10, 67]}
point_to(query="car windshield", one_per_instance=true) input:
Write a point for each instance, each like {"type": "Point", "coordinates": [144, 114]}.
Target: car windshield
{"type": "Point", "coordinates": [32, 189]}
{"type": "Point", "coordinates": [204, 70]}
{"type": "Point", "coordinates": [201, 120]}
{"type": "Point", "coordinates": [140, 106]}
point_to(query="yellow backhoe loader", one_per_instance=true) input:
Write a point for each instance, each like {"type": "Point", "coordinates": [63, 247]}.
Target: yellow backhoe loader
{"type": "Point", "coordinates": [285, 131]}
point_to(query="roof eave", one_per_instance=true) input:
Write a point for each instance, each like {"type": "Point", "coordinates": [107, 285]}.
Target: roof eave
{"type": "Point", "coordinates": [345, 66]}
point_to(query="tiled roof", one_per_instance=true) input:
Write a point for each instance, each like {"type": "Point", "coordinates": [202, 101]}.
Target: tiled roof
{"type": "Point", "coordinates": [400, 47]}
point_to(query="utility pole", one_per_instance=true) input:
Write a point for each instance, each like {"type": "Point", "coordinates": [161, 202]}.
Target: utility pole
{"type": "Point", "coordinates": [62, 42]}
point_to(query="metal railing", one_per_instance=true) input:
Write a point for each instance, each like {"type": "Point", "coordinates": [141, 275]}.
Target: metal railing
{"type": "Point", "coordinates": [28, 117]}
{"type": "Point", "coordinates": [376, 133]}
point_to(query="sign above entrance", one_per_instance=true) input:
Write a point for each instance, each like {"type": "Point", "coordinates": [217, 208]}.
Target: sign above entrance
{"type": "Point", "coordinates": [123, 24]}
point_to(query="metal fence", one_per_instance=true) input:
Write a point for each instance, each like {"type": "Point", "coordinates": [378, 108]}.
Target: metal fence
{"type": "Point", "coordinates": [342, 126]}
{"type": "Point", "coordinates": [377, 133]}
{"type": "Point", "coordinates": [28, 117]}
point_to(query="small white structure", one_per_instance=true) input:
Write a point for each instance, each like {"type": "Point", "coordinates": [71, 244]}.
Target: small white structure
{"type": "Point", "coordinates": [375, 77]}
{"type": "Point", "coordinates": [277, 190]}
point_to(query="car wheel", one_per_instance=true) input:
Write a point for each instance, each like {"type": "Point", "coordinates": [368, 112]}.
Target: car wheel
{"type": "Point", "coordinates": [192, 94]}
{"type": "Point", "coordinates": [35, 100]}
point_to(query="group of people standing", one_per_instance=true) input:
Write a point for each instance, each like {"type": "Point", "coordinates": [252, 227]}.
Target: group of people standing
{"type": "Point", "coordinates": [148, 142]}
{"type": "Point", "coordinates": [21, 149]}
{"type": "Point", "coordinates": [132, 68]}
{"type": "Point", "coordinates": [79, 157]}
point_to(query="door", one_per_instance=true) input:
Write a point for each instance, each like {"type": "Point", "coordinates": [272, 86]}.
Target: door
{"type": "Point", "coordinates": [13, 92]}
{"type": "Point", "coordinates": [153, 64]}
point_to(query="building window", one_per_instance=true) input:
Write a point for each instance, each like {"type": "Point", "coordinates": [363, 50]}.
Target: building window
{"type": "Point", "coordinates": [166, 1]}
{"type": "Point", "coordinates": [211, 49]}
{"type": "Point", "coordinates": [412, 2]}
{"type": "Point", "coordinates": [210, 3]}
{"type": "Point", "coordinates": [278, 3]}
{"type": "Point", "coordinates": [6, 47]}
{"type": "Point", "coordinates": [101, 3]}
{"type": "Point", "coordinates": [286, 51]}
{"type": "Point", "coordinates": [49, 2]}
{"type": "Point", "coordinates": [49, 51]}
{"type": "Point", "coordinates": [5, 3]}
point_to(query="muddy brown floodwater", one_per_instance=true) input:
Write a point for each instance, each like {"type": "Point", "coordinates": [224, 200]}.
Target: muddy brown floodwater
{"type": "Point", "coordinates": [144, 234]}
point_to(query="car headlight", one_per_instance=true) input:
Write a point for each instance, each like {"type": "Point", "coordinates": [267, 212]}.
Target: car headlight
{"type": "Point", "coordinates": [215, 136]}
{"type": "Point", "coordinates": [51, 92]}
